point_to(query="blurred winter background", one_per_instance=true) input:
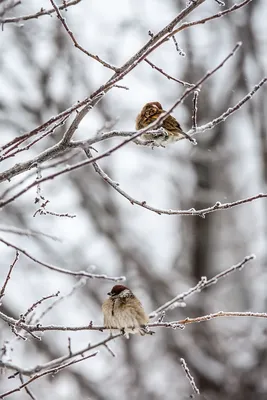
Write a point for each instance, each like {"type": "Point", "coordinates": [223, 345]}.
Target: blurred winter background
{"type": "Point", "coordinates": [41, 74]}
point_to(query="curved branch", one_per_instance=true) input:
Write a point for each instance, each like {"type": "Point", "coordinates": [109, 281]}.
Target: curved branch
{"type": "Point", "coordinates": [63, 270]}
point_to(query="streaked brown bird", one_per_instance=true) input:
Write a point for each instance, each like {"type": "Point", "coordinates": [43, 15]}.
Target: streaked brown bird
{"type": "Point", "coordinates": [124, 312]}
{"type": "Point", "coordinates": [149, 113]}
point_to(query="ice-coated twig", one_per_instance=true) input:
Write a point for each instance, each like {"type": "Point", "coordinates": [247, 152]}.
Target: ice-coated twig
{"type": "Point", "coordinates": [38, 14]}
{"type": "Point", "coordinates": [167, 75]}
{"type": "Point", "coordinates": [2, 291]}
{"type": "Point", "coordinates": [194, 114]}
{"type": "Point", "coordinates": [202, 284]}
{"type": "Point", "coordinates": [76, 44]}
{"type": "Point", "coordinates": [62, 270]}
{"type": "Point", "coordinates": [47, 372]}
{"type": "Point", "coordinates": [189, 376]}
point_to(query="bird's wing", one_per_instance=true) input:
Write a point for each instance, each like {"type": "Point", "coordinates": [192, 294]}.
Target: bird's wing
{"type": "Point", "coordinates": [171, 124]}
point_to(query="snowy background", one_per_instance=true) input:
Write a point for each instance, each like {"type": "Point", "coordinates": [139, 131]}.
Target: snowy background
{"type": "Point", "coordinates": [41, 74]}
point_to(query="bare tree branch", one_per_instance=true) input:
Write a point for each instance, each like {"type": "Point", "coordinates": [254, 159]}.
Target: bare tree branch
{"type": "Point", "coordinates": [58, 361]}
{"type": "Point", "coordinates": [162, 324]}
{"type": "Point", "coordinates": [28, 232]}
{"type": "Point", "coordinates": [167, 75]}
{"type": "Point", "coordinates": [2, 291]}
{"type": "Point", "coordinates": [40, 13]}
{"type": "Point", "coordinates": [62, 270]}
{"type": "Point", "coordinates": [76, 44]}
{"type": "Point", "coordinates": [202, 284]}
{"type": "Point", "coordinates": [189, 376]}
{"type": "Point", "coordinates": [50, 371]}
{"type": "Point", "coordinates": [9, 6]}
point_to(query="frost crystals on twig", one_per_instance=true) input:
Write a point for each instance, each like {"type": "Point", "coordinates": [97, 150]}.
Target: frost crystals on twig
{"type": "Point", "coordinates": [39, 199]}
{"type": "Point", "coordinates": [2, 291]}
{"type": "Point", "coordinates": [178, 48]}
{"type": "Point", "coordinates": [194, 114]}
{"type": "Point", "coordinates": [189, 376]}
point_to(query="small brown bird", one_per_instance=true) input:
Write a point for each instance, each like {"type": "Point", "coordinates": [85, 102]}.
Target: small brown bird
{"type": "Point", "coordinates": [123, 311]}
{"type": "Point", "coordinates": [149, 113]}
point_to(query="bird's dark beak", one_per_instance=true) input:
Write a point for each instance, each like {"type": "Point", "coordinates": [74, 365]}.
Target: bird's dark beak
{"type": "Point", "coordinates": [109, 293]}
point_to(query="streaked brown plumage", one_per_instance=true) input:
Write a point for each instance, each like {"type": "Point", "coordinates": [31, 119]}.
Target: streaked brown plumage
{"type": "Point", "coordinates": [123, 311]}
{"type": "Point", "coordinates": [149, 113]}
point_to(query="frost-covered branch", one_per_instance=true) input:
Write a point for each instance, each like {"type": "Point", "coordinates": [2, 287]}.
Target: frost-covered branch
{"type": "Point", "coordinates": [169, 77]}
{"type": "Point", "coordinates": [202, 284]}
{"type": "Point", "coordinates": [2, 291]}
{"type": "Point", "coordinates": [38, 14]}
{"type": "Point", "coordinates": [189, 376]}
{"type": "Point", "coordinates": [76, 44]}
{"type": "Point", "coordinates": [158, 324]}
{"type": "Point", "coordinates": [58, 361]}
{"type": "Point", "coordinates": [47, 372]}
{"type": "Point", "coordinates": [61, 270]}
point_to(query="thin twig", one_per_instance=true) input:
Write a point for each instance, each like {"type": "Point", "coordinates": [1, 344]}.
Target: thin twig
{"type": "Point", "coordinates": [58, 361]}
{"type": "Point", "coordinates": [69, 347]}
{"type": "Point", "coordinates": [109, 350]}
{"type": "Point", "coordinates": [17, 150]}
{"type": "Point", "coordinates": [40, 13]}
{"type": "Point", "coordinates": [50, 371]}
{"type": "Point", "coordinates": [167, 75]}
{"type": "Point", "coordinates": [39, 199]}
{"type": "Point", "coordinates": [62, 270]}
{"type": "Point", "coordinates": [56, 163]}
{"type": "Point", "coordinates": [76, 44]}
{"type": "Point", "coordinates": [202, 284]}
{"type": "Point", "coordinates": [227, 113]}
{"type": "Point", "coordinates": [27, 232]}
{"type": "Point", "coordinates": [8, 7]}
{"type": "Point", "coordinates": [186, 25]}
{"type": "Point", "coordinates": [189, 376]}
{"type": "Point", "coordinates": [2, 291]}
{"type": "Point", "coordinates": [27, 390]}
{"type": "Point", "coordinates": [201, 213]}
{"type": "Point", "coordinates": [33, 306]}
{"type": "Point", "coordinates": [77, 285]}
{"type": "Point", "coordinates": [194, 114]}
{"type": "Point", "coordinates": [177, 47]}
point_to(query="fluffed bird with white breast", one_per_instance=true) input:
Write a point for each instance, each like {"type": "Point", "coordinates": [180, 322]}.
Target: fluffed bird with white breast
{"type": "Point", "coordinates": [123, 311]}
